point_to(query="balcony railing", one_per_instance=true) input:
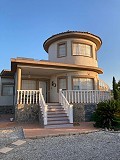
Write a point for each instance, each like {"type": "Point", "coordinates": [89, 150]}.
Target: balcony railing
{"type": "Point", "coordinates": [86, 96]}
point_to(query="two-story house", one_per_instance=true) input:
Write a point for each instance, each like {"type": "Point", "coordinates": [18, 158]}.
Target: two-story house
{"type": "Point", "coordinates": [69, 76]}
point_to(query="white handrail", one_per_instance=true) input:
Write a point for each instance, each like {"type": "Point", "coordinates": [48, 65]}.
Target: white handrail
{"type": "Point", "coordinates": [67, 107]}
{"type": "Point", "coordinates": [86, 96]}
{"type": "Point", "coordinates": [43, 106]}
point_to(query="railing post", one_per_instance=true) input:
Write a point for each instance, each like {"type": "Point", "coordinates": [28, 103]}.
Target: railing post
{"type": "Point", "coordinates": [71, 113]}
{"type": "Point", "coordinates": [45, 115]}
{"type": "Point", "coordinates": [17, 96]}
{"type": "Point", "coordinates": [60, 91]}
{"type": "Point", "coordinates": [43, 105]}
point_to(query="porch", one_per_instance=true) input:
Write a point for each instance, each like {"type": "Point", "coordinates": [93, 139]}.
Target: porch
{"type": "Point", "coordinates": [62, 111]}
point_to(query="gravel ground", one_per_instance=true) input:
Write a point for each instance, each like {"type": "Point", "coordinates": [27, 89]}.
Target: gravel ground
{"type": "Point", "coordinates": [93, 146]}
{"type": "Point", "coordinates": [9, 135]}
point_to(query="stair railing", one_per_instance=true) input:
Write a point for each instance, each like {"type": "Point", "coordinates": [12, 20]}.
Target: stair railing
{"type": "Point", "coordinates": [67, 107]}
{"type": "Point", "coordinates": [43, 106]}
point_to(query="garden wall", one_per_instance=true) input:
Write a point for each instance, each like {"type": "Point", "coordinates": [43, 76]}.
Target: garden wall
{"type": "Point", "coordinates": [83, 112]}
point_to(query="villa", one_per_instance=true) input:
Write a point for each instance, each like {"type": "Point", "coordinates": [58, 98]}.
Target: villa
{"type": "Point", "coordinates": [61, 90]}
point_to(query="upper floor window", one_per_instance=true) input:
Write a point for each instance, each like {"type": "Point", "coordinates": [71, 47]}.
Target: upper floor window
{"type": "Point", "coordinates": [62, 49]}
{"type": "Point", "coordinates": [81, 49]}
{"type": "Point", "coordinates": [7, 89]}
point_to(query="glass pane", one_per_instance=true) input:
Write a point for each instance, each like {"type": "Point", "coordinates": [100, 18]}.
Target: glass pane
{"type": "Point", "coordinates": [82, 84]}
{"type": "Point", "coordinates": [81, 49]}
{"type": "Point", "coordinates": [88, 50]}
{"type": "Point", "coordinates": [90, 84]}
{"type": "Point", "coordinates": [7, 90]}
{"type": "Point", "coordinates": [62, 83]}
{"type": "Point", "coordinates": [28, 85]}
{"type": "Point", "coordinates": [62, 50]}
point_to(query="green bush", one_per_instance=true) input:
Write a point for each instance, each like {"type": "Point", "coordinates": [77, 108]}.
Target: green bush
{"type": "Point", "coordinates": [107, 114]}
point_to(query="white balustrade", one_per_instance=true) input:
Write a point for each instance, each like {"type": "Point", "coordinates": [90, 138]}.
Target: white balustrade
{"type": "Point", "coordinates": [67, 107]}
{"type": "Point", "coordinates": [33, 97]}
{"type": "Point", "coordinates": [27, 96]}
{"type": "Point", "coordinates": [86, 96]}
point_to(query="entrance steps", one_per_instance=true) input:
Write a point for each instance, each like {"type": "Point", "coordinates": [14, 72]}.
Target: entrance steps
{"type": "Point", "coordinates": [57, 117]}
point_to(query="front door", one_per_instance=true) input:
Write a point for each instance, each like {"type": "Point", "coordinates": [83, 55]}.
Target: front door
{"type": "Point", "coordinates": [43, 85]}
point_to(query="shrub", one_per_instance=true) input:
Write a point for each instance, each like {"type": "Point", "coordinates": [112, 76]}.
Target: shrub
{"type": "Point", "coordinates": [106, 114]}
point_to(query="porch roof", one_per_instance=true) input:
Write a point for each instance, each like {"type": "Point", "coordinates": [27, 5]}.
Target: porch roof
{"type": "Point", "coordinates": [49, 68]}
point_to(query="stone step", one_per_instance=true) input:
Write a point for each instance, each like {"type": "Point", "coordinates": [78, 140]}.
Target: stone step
{"type": "Point", "coordinates": [57, 118]}
{"type": "Point", "coordinates": [53, 104]}
{"type": "Point", "coordinates": [57, 115]}
{"type": "Point", "coordinates": [65, 125]}
{"type": "Point", "coordinates": [58, 122]}
{"type": "Point", "coordinates": [55, 109]}
{"type": "Point", "coordinates": [56, 112]}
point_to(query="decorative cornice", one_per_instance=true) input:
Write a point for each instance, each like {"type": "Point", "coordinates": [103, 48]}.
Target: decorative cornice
{"type": "Point", "coordinates": [47, 64]}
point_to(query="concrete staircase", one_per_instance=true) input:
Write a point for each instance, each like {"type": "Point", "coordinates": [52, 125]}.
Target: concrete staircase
{"type": "Point", "coordinates": [56, 116]}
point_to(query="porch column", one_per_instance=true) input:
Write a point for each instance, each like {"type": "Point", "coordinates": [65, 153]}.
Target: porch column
{"type": "Point", "coordinates": [18, 78]}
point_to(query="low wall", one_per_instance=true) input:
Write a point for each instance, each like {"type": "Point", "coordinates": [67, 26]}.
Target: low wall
{"type": "Point", "coordinates": [28, 113]}
{"type": "Point", "coordinates": [7, 109]}
{"type": "Point", "coordinates": [82, 112]}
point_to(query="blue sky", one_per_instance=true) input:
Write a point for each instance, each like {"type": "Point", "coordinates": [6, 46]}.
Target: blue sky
{"type": "Point", "coordinates": [26, 24]}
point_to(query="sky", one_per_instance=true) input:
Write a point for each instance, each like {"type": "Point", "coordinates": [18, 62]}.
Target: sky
{"type": "Point", "coordinates": [26, 24]}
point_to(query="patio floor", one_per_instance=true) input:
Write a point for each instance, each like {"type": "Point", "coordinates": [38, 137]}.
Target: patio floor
{"type": "Point", "coordinates": [33, 130]}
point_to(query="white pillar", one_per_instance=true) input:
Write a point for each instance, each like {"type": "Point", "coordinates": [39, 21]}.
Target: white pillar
{"type": "Point", "coordinates": [19, 78]}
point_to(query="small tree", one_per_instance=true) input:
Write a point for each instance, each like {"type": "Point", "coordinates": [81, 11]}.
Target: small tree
{"type": "Point", "coordinates": [115, 93]}
{"type": "Point", "coordinates": [116, 89]}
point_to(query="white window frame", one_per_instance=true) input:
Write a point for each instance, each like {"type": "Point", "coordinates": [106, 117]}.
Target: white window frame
{"type": "Point", "coordinates": [80, 49]}
{"type": "Point", "coordinates": [80, 82]}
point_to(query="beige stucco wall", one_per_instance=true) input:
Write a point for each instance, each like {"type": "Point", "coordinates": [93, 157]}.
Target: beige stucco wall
{"type": "Point", "coordinates": [87, 74]}
{"type": "Point", "coordinates": [78, 60]}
